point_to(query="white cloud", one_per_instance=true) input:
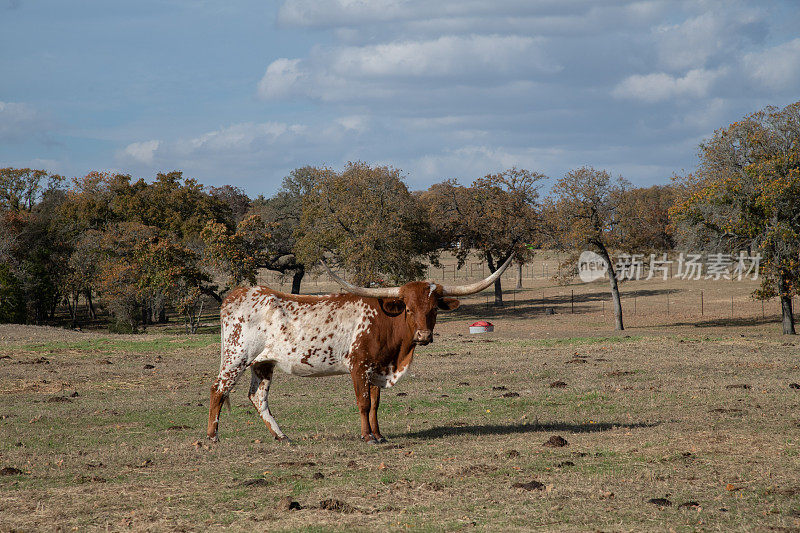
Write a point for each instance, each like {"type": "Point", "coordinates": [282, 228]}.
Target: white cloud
{"type": "Point", "coordinates": [445, 56]}
{"type": "Point", "coordinates": [472, 161]}
{"type": "Point", "coordinates": [777, 68]}
{"type": "Point", "coordinates": [357, 123]}
{"type": "Point", "coordinates": [351, 72]}
{"type": "Point", "coordinates": [662, 86]}
{"type": "Point", "coordinates": [142, 152]}
{"type": "Point", "coordinates": [243, 137]}
{"type": "Point", "coordinates": [19, 122]}
{"type": "Point", "coordinates": [280, 78]}
{"type": "Point", "coordinates": [306, 13]}
{"type": "Point", "coordinates": [712, 35]}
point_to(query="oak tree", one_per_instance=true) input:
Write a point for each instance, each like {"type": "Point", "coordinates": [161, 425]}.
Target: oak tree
{"type": "Point", "coordinates": [744, 195]}
{"type": "Point", "coordinates": [496, 216]}
{"type": "Point", "coordinates": [583, 211]}
{"type": "Point", "coordinates": [368, 221]}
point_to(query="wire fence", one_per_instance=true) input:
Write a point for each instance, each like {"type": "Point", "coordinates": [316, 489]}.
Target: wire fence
{"type": "Point", "coordinates": [532, 289]}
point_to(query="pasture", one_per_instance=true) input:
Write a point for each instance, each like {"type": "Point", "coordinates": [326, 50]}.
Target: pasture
{"type": "Point", "coordinates": [677, 423]}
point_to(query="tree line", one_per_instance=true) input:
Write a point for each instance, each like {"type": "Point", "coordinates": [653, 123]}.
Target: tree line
{"type": "Point", "coordinates": [140, 248]}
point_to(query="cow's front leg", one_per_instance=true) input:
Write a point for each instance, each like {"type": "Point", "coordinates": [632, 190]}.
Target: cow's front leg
{"type": "Point", "coordinates": [362, 389]}
{"type": "Point", "coordinates": [375, 399]}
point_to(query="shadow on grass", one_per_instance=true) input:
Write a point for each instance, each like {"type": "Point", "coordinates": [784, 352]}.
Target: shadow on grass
{"type": "Point", "coordinates": [439, 432]}
{"type": "Point", "coordinates": [564, 303]}
{"type": "Point", "coordinates": [731, 322]}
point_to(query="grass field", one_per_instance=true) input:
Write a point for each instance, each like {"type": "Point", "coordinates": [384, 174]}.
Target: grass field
{"type": "Point", "coordinates": [668, 427]}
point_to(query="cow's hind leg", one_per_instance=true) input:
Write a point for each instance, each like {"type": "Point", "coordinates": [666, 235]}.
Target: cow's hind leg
{"type": "Point", "coordinates": [259, 390]}
{"type": "Point", "coordinates": [220, 390]}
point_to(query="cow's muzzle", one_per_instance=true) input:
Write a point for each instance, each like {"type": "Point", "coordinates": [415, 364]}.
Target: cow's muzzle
{"type": "Point", "coordinates": [423, 337]}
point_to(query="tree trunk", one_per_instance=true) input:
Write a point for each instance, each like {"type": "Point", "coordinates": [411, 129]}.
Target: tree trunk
{"type": "Point", "coordinates": [612, 280]}
{"type": "Point", "coordinates": [72, 305]}
{"type": "Point", "coordinates": [498, 288]}
{"type": "Point", "coordinates": [88, 297]}
{"type": "Point", "coordinates": [787, 316]}
{"type": "Point", "coordinates": [519, 275]}
{"type": "Point", "coordinates": [297, 277]}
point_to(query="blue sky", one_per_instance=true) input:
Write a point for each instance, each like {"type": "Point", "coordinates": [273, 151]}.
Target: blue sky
{"type": "Point", "coordinates": [241, 92]}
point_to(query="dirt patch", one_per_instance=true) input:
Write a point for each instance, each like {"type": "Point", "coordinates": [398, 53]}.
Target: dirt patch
{"type": "Point", "coordinates": [689, 505]}
{"type": "Point", "coordinates": [511, 395]}
{"type": "Point", "coordinates": [499, 387]}
{"type": "Point", "coordinates": [576, 360]}
{"type": "Point", "coordinates": [565, 463]}
{"type": "Point", "coordinates": [744, 386]}
{"type": "Point", "coordinates": [530, 485]}
{"type": "Point", "coordinates": [788, 491]}
{"type": "Point", "coordinates": [337, 505]}
{"type": "Point", "coordinates": [37, 361]}
{"type": "Point", "coordinates": [287, 504]}
{"type": "Point", "coordinates": [512, 454]}
{"type": "Point", "coordinates": [728, 411]}
{"type": "Point", "coordinates": [297, 463]}
{"type": "Point", "coordinates": [617, 373]}
{"type": "Point", "coordinates": [475, 470]}
{"type": "Point", "coordinates": [256, 482]}
{"type": "Point", "coordinates": [558, 385]}
{"type": "Point", "coordinates": [59, 399]}
{"type": "Point", "coordinates": [794, 385]}
{"type": "Point", "coordinates": [661, 502]}
{"type": "Point", "coordinates": [10, 471]}
{"type": "Point", "coordinates": [89, 479]}
{"type": "Point", "coordinates": [556, 441]}
{"type": "Point", "coordinates": [178, 428]}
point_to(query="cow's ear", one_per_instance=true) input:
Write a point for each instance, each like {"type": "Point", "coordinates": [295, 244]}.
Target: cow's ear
{"type": "Point", "coordinates": [393, 307]}
{"type": "Point", "coordinates": [448, 304]}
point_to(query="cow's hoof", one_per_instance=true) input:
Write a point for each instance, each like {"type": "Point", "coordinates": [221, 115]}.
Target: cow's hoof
{"type": "Point", "coordinates": [284, 438]}
{"type": "Point", "coordinates": [382, 440]}
{"type": "Point", "coordinates": [213, 438]}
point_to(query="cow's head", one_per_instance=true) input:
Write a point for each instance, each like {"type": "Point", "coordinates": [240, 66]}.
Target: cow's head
{"type": "Point", "coordinates": [419, 301]}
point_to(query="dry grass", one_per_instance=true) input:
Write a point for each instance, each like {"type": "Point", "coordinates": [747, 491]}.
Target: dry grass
{"type": "Point", "coordinates": [669, 410]}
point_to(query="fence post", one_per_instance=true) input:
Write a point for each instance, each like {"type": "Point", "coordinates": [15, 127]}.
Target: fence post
{"type": "Point", "coordinates": [667, 302]}
{"type": "Point", "coordinates": [701, 302]}
{"type": "Point", "coordinates": [572, 300]}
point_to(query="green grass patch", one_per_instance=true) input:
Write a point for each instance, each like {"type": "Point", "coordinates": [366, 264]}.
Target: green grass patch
{"type": "Point", "coordinates": [109, 346]}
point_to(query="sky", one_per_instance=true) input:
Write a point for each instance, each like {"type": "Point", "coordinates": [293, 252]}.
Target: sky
{"type": "Point", "coordinates": [242, 92]}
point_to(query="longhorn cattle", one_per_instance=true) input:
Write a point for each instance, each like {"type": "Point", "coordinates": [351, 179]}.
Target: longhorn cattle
{"type": "Point", "coordinates": [369, 333]}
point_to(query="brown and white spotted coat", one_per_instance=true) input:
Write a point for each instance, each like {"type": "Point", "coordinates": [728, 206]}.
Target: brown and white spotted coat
{"type": "Point", "coordinates": [372, 339]}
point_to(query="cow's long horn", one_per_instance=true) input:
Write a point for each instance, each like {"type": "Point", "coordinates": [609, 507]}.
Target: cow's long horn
{"type": "Point", "coordinates": [383, 292]}
{"type": "Point", "coordinates": [465, 290]}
